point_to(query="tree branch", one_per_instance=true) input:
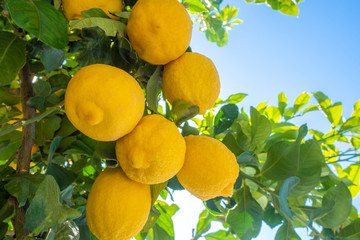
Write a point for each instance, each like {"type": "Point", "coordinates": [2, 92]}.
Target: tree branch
{"type": "Point", "coordinates": [27, 141]}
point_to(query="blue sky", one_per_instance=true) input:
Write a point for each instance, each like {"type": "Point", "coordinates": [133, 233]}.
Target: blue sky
{"type": "Point", "coordinates": [271, 53]}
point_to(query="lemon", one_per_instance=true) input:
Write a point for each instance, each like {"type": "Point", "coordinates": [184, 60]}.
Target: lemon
{"type": "Point", "coordinates": [153, 152]}
{"type": "Point", "coordinates": [159, 30]}
{"type": "Point", "coordinates": [192, 78]}
{"type": "Point", "coordinates": [104, 102]}
{"type": "Point", "coordinates": [73, 8]}
{"type": "Point", "coordinates": [117, 207]}
{"type": "Point", "coordinates": [210, 168]}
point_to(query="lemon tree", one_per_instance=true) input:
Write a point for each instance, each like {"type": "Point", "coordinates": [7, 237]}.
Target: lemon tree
{"type": "Point", "coordinates": [105, 111]}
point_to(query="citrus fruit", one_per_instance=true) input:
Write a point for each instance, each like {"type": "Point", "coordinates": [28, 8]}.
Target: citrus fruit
{"type": "Point", "coordinates": [210, 168]}
{"type": "Point", "coordinates": [153, 152]}
{"type": "Point", "coordinates": [104, 102]}
{"type": "Point", "coordinates": [192, 78]}
{"type": "Point", "coordinates": [73, 8]}
{"type": "Point", "coordinates": [159, 30]}
{"type": "Point", "coordinates": [117, 207]}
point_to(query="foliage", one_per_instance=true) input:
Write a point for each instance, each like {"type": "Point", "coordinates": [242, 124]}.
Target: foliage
{"type": "Point", "coordinates": [290, 175]}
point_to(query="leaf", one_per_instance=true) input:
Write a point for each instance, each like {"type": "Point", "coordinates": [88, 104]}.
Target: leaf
{"type": "Point", "coordinates": [52, 59]}
{"type": "Point", "coordinates": [45, 209]}
{"type": "Point", "coordinates": [271, 218]}
{"type": "Point", "coordinates": [6, 96]}
{"type": "Point", "coordinates": [286, 232]}
{"type": "Point", "coordinates": [322, 99]}
{"type": "Point", "coordinates": [247, 158]}
{"type": "Point", "coordinates": [301, 101]}
{"type": "Point", "coordinates": [282, 102]}
{"type": "Point", "coordinates": [342, 208]}
{"type": "Point", "coordinates": [13, 140]}
{"type": "Point", "coordinates": [164, 227]}
{"type": "Point", "coordinates": [194, 6]}
{"type": "Point", "coordinates": [12, 57]}
{"type": "Point", "coordinates": [46, 128]}
{"type": "Point", "coordinates": [111, 27]}
{"type": "Point", "coordinates": [36, 102]}
{"type": "Point", "coordinates": [245, 219]}
{"type": "Point", "coordinates": [260, 129]}
{"type": "Point", "coordinates": [183, 111]}
{"type": "Point", "coordinates": [220, 235]}
{"type": "Point", "coordinates": [41, 19]}
{"type": "Point", "coordinates": [352, 124]}
{"type": "Point", "coordinates": [152, 89]}
{"type": "Point", "coordinates": [352, 173]}
{"type": "Point", "coordinates": [188, 130]}
{"type": "Point", "coordinates": [62, 176]}
{"type": "Point", "coordinates": [273, 114]}
{"type": "Point", "coordinates": [311, 109]}
{"type": "Point", "coordinates": [106, 150]}
{"type": "Point", "coordinates": [225, 118]}
{"type": "Point", "coordinates": [204, 223]}
{"type": "Point", "coordinates": [283, 159]}
{"type": "Point", "coordinates": [152, 218]}
{"type": "Point", "coordinates": [351, 231]}
{"type": "Point", "coordinates": [42, 88]}
{"type": "Point", "coordinates": [156, 190]}
{"type": "Point", "coordinates": [235, 98]}
{"type": "Point", "coordinates": [174, 184]}
{"type": "Point", "coordinates": [288, 184]}
{"type": "Point", "coordinates": [314, 213]}
{"type": "Point", "coordinates": [231, 143]}
{"type": "Point", "coordinates": [65, 230]}
{"type": "Point", "coordinates": [310, 162]}
{"type": "Point", "coordinates": [94, 12]}
{"type": "Point", "coordinates": [24, 186]}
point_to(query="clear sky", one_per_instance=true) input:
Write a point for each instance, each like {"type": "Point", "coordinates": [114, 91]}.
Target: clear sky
{"type": "Point", "coordinates": [271, 53]}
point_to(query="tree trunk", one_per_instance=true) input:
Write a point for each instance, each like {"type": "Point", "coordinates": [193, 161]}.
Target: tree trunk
{"type": "Point", "coordinates": [27, 141]}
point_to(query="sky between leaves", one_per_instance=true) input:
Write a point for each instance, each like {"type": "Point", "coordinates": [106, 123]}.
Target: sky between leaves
{"type": "Point", "coordinates": [271, 53]}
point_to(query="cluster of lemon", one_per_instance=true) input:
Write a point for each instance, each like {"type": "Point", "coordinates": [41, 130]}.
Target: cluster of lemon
{"type": "Point", "coordinates": [107, 104]}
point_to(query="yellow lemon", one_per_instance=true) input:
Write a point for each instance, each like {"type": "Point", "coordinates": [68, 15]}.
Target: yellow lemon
{"type": "Point", "coordinates": [159, 30]}
{"type": "Point", "coordinates": [73, 8]}
{"type": "Point", "coordinates": [153, 152]}
{"type": "Point", "coordinates": [210, 168]}
{"type": "Point", "coordinates": [192, 78]}
{"type": "Point", "coordinates": [104, 102]}
{"type": "Point", "coordinates": [117, 207]}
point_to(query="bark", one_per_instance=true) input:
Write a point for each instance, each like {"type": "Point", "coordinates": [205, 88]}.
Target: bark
{"type": "Point", "coordinates": [28, 135]}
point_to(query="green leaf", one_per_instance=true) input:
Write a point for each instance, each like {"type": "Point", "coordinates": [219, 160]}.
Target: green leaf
{"type": "Point", "coordinates": [164, 227]}
{"type": "Point", "coordinates": [282, 102]}
{"type": "Point", "coordinates": [7, 97]}
{"type": "Point", "coordinates": [152, 218]}
{"type": "Point", "coordinates": [42, 88]}
{"type": "Point", "coordinates": [36, 102]}
{"type": "Point", "coordinates": [152, 89]}
{"type": "Point", "coordinates": [122, 14]}
{"type": "Point", "coordinates": [245, 219]}
{"type": "Point", "coordinates": [94, 12]}
{"type": "Point", "coordinates": [234, 98]}
{"type": "Point", "coordinates": [174, 184]}
{"type": "Point", "coordinates": [314, 213]}
{"type": "Point", "coordinates": [204, 223]}
{"type": "Point", "coordinates": [322, 99]}
{"type": "Point", "coordinates": [65, 230]}
{"type": "Point", "coordinates": [286, 232]}
{"type": "Point", "coordinates": [13, 141]}
{"type": "Point", "coordinates": [111, 27]}
{"type": "Point", "coordinates": [41, 19]}
{"type": "Point", "coordinates": [301, 101]}
{"type": "Point", "coordinates": [289, 7]}
{"type": "Point", "coordinates": [52, 59]}
{"type": "Point", "coordinates": [352, 231]}
{"type": "Point", "coordinates": [288, 184]}
{"type": "Point", "coordinates": [188, 130]}
{"type": "Point", "coordinates": [106, 150]}
{"type": "Point", "coordinates": [24, 186]}
{"type": "Point", "coordinates": [12, 57]}
{"type": "Point", "coordinates": [260, 129]}
{"type": "Point", "coordinates": [46, 210]}
{"type": "Point", "coordinates": [62, 176]}
{"type": "Point", "coordinates": [231, 143]}
{"type": "Point", "coordinates": [311, 109]}
{"type": "Point", "coordinates": [225, 118]}
{"type": "Point", "coordinates": [59, 81]}
{"type": "Point", "coordinates": [352, 124]}
{"type": "Point", "coordinates": [342, 208]}
{"type": "Point", "coordinates": [156, 190]}
{"type": "Point", "coordinates": [283, 159]}
{"type": "Point", "coordinates": [95, 47]}
{"type": "Point", "coordinates": [271, 218]}
{"type": "Point", "coordinates": [46, 128]}
{"type": "Point", "coordinates": [310, 162]}
{"type": "Point", "coordinates": [273, 114]}
{"type": "Point", "coordinates": [194, 6]}
{"type": "Point", "coordinates": [247, 158]}
{"type": "Point", "coordinates": [220, 235]}
{"type": "Point", "coordinates": [183, 111]}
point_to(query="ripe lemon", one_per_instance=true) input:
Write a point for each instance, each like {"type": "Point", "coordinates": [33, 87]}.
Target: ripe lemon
{"type": "Point", "coordinates": [117, 207]}
{"type": "Point", "coordinates": [192, 78]}
{"type": "Point", "coordinates": [73, 8]}
{"type": "Point", "coordinates": [153, 152]}
{"type": "Point", "coordinates": [159, 30]}
{"type": "Point", "coordinates": [104, 102]}
{"type": "Point", "coordinates": [210, 168]}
